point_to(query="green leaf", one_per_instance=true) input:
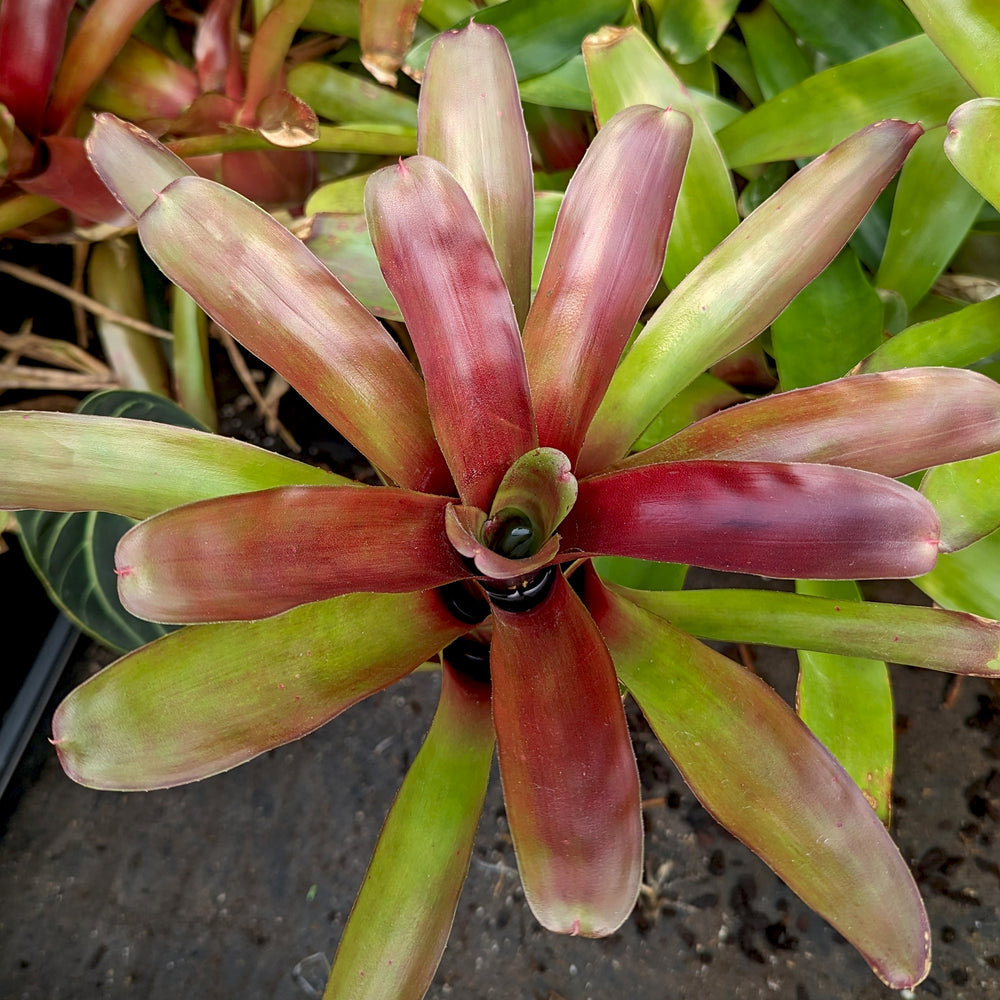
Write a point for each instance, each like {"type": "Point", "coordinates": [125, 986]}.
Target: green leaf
{"type": "Point", "coordinates": [689, 28]}
{"type": "Point", "coordinates": [968, 33]}
{"type": "Point", "coordinates": [74, 553]}
{"type": "Point", "coordinates": [563, 87]}
{"type": "Point", "coordinates": [835, 320]}
{"type": "Point", "coordinates": [922, 637]}
{"type": "Point", "coordinates": [956, 340]}
{"type": "Point", "coordinates": [763, 776]}
{"type": "Point", "coordinates": [778, 60]}
{"type": "Point", "coordinates": [973, 133]}
{"type": "Point", "coordinates": [540, 35]}
{"type": "Point", "coordinates": [735, 292]}
{"type": "Point", "coordinates": [966, 496]}
{"type": "Point", "coordinates": [932, 213]}
{"type": "Point", "coordinates": [847, 703]}
{"type": "Point", "coordinates": [967, 580]}
{"type": "Point", "coordinates": [642, 574]}
{"type": "Point", "coordinates": [401, 919]}
{"type": "Point", "coordinates": [208, 697]}
{"type": "Point", "coordinates": [910, 80]}
{"type": "Point", "coordinates": [340, 96]}
{"type": "Point", "coordinates": [624, 68]}
{"type": "Point", "coordinates": [847, 29]}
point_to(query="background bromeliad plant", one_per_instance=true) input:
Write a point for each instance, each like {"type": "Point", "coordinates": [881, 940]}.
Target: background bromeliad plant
{"type": "Point", "coordinates": [514, 516]}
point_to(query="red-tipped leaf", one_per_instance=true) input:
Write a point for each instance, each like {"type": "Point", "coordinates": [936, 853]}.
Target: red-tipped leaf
{"type": "Point", "coordinates": [605, 259]}
{"type": "Point", "coordinates": [892, 423]}
{"type": "Point", "coordinates": [442, 273]}
{"type": "Point", "coordinates": [569, 776]}
{"type": "Point", "coordinates": [257, 554]}
{"type": "Point", "coordinates": [806, 521]}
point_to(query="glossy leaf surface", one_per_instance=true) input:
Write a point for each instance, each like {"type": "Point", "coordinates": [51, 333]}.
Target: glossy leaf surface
{"type": "Point", "coordinates": [692, 27]}
{"type": "Point", "coordinates": [340, 96]}
{"type": "Point", "coordinates": [569, 775]}
{"type": "Point", "coordinates": [609, 239]}
{"type": "Point", "coordinates": [708, 712]}
{"type": "Point", "coordinates": [441, 271]}
{"type": "Point", "coordinates": [208, 697]}
{"type": "Point", "coordinates": [471, 121]}
{"type": "Point", "coordinates": [932, 213]}
{"type": "Point", "coordinates": [253, 555]}
{"type": "Point", "coordinates": [923, 637]}
{"type": "Point", "coordinates": [541, 484]}
{"type": "Point", "coordinates": [847, 704]}
{"type": "Point", "coordinates": [625, 68]}
{"type": "Point", "coordinates": [778, 61]}
{"type": "Point", "coordinates": [910, 80]}
{"type": "Point", "coordinates": [973, 131]}
{"type": "Point", "coordinates": [966, 496]}
{"type": "Point", "coordinates": [745, 282]}
{"type": "Point", "coordinates": [400, 922]}
{"type": "Point", "coordinates": [131, 467]}
{"type": "Point", "coordinates": [968, 33]}
{"type": "Point", "coordinates": [783, 520]}
{"type": "Point", "coordinates": [892, 423]}
{"type": "Point", "coordinates": [957, 339]}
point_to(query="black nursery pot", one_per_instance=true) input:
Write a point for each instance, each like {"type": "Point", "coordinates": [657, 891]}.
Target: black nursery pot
{"type": "Point", "coordinates": [38, 643]}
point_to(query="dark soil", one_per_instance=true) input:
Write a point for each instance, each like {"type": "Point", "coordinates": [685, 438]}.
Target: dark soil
{"type": "Point", "coordinates": [223, 888]}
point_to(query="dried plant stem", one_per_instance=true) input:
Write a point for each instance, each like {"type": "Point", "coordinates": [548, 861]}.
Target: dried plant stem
{"type": "Point", "coordinates": [91, 305]}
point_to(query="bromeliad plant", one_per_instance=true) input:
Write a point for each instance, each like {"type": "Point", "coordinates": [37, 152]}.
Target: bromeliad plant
{"type": "Point", "coordinates": [506, 468]}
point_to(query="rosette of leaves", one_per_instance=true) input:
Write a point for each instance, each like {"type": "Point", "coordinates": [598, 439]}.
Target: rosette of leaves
{"type": "Point", "coordinates": [506, 465]}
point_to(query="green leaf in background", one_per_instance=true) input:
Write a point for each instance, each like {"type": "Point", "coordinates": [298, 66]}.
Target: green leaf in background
{"type": "Point", "coordinates": [539, 35]}
{"type": "Point", "coordinates": [339, 96]}
{"type": "Point", "coordinates": [641, 574]}
{"type": "Point", "coordinates": [625, 68]}
{"type": "Point", "coordinates": [967, 580]}
{"type": "Point", "coordinates": [846, 29]}
{"type": "Point", "coordinates": [968, 33]}
{"type": "Point", "coordinates": [835, 320]}
{"type": "Point", "coordinates": [932, 213]}
{"type": "Point", "coordinates": [778, 60]}
{"type": "Point", "coordinates": [973, 134]}
{"type": "Point", "coordinates": [74, 554]}
{"type": "Point", "coordinates": [563, 87]}
{"type": "Point", "coordinates": [733, 59]}
{"type": "Point", "coordinates": [688, 29]}
{"type": "Point", "coordinates": [966, 496]}
{"type": "Point", "coordinates": [847, 703]}
{"type": "Point", "coordinates": [955, 340]}
{"type": "Point", "coordinates": [910, 80]}
{"type": "Point", "coordinates": [546, 209]}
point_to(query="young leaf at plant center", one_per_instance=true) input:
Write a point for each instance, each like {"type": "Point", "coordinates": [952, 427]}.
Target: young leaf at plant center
{"type": "Point", "coordinates": [968, 33]}
{"type": "Point", "coordinates": [931, 638]}
{"type": "Point", "coordinates": [624, 68]}
{"type": "Point", "coordinates": [955, 340]}
{"type": "Point", "coordinates": [972, 136]}
{"type": "Point", "coordinates": [847, 703]}
{"type": "Point", "coordinates": [494, 168]}
{"type": "Point", "coordinates": [932, 213]}
{"type": "Point", "coordinates": [833, 321]}
{"type": "Point", "coordinates": [707, 710]}
{"type": "Point", "coordinates": [208, 697]}
{"type": "Point", "coordinates": [910, 80]}
{"type": "Point", "coordinates": [967, 580]}
{"type": "Point", "coordinates": [745, 282]}
{"type": "Point", "coordinates": [400, 922]}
